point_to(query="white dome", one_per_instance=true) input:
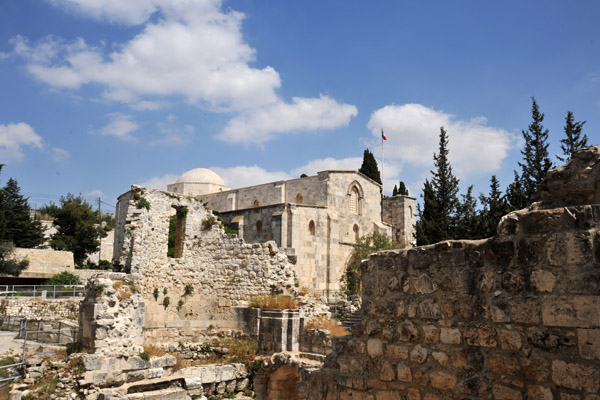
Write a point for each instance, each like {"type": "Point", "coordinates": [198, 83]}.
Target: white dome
{"type": "Point", "coordinates": [200, 175]}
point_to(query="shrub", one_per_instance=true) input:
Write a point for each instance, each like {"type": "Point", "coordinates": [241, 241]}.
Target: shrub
{"type": "Point", "coordinates": [155, 293]}
{"type": "Point", "coordinates": [188, 290]}
{"type": "Point", "coordinates": [144, 356]}
{"type": "Point", "coordinates": [209, 222]}
{"type": "Point", "coordinates": [166, 302]}
{"type": "Point", "coordinates": [98, 289]}
{"type": "Point", "coordinates": [154, 351]}
{"type": "Point", "coordinates": [165, 291]}
{"type": "Point", "coordinates": [64, 278]}
{"type": "Point", "coordinates": [143, 203]}
{"type": "Point", "coordinates": [180, 304]}
{"type": "Point", "coordinates": [276, 302]}
{"type": "Point", "coordinates": [326, 323]}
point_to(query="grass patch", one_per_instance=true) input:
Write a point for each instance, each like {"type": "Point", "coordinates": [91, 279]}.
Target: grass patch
{"type": "Point", "coordinates": [154, 351]}
{"type": "Point", "coordinates": [326, 323]}
{"type": "Point", "coordinates": [275, 302]}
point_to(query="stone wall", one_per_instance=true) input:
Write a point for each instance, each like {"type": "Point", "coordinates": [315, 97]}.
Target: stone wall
{"type": "Point", "coordinates": [66, 309]}
{"type": "Point", "coordinates": [221, 271]}
{"type": "Point", "coordinates": [43, 263]}
{"type": "Point", "coordinates": [516, 316]}
{"type": "Point", "coordinates": [401, 213]}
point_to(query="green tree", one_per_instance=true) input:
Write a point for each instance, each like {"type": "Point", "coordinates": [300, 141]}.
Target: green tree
{"type": "Point", "coordinates": [77, 228]}
{"type": "Point", "coordinates": [438, 218]}
{"type": "Point", "coordinates": [64, 278]}
{"type": "Point", "coordinates": [351, 283]}
{"type": "Point", "coordinates": [395, 191]}
{"type": "Point", "coordinates": [494, 208]}
{"type": "Point", "coordinates": [8, 264]}
{"type": "Point", "coordinates": [574, 139]}
{"type": "Point", "coordinates": [467, 218]}
{"type": "Point", "coordinates": [516, 195]}
{"type": "Point", "coordinates": [402, 190]}
{"type": "Point", "coordinates": [369, 167]}
{"type": "Point", "coordinates": [536, 161]}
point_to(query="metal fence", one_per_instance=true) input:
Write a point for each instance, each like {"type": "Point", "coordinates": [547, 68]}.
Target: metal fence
{"type": "Point", "coordinates": [47, 291]}
{"type": "Point", "coordinates": [34, 332]}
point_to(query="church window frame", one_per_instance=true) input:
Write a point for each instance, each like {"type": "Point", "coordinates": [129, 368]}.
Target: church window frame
{"type": "Point", "coordinates": [299, 198]}
{"type": "Point", "coordinates": [355, 196]}
{"type": "Point", "coordinates": [255, 203]}
{"type": "Point", "coordinates": [311, 228]}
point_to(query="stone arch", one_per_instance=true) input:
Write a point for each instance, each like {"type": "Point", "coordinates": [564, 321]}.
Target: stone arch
{"type": "Point", "coordinates": [255, 203]}
{"type": "Point", "coordinates": [311, 228]}
{"type": "Point", "coordinates": [355, 196]}
{"type": "Point", "coordinates": [299, 198]}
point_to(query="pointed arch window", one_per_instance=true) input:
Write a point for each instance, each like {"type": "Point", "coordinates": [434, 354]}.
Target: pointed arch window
{"type": "Point", "coordinates": [356, 232]}
{"type": "Point", "coordinates": [311, 228]}
{"type": "Point", "coordinates": [354, 206]}
{"type": "Point", "coordinates": [255, 203]}
{"type": "Point", "coordinates": [299, 198]}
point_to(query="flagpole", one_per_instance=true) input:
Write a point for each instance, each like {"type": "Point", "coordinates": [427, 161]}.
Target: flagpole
{"type": "Point", "coordinates": [382, 184]}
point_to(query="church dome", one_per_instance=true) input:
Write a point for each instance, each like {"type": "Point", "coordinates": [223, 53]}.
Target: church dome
{"type": "Point", "coordinates": [201, 175]}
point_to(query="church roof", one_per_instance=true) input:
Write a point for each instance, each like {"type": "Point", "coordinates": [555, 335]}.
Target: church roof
{"type": "Point", "coordinates": [200, 175]}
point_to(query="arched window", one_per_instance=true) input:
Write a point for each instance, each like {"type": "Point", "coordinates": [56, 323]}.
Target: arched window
{"type": "Point", "coordinates": [299, 198]}
{"type": "Point", "coordinates": [258, 226]}
{"type": "Point", "coordinates": [354, 206]}
{"type": "Point", "coordinates": [355, 229]}
{"type": "Point", "coordinates": [256, 203]}
{"type": "Point", "coordinates": [311, 228]}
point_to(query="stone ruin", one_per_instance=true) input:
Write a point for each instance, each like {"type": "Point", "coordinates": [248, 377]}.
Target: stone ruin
{"type": "Point", "coordinates": [516, 316]}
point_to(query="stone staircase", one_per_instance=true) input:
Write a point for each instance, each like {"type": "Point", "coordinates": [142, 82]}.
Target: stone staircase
{"type": "Point", "coordinates": [352, 319]}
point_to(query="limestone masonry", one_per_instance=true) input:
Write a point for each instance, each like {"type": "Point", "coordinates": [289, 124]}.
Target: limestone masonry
{"type": "Point", "coordinates": [318, 218]}
{"type": "Point", "coordinates": [516, 316]}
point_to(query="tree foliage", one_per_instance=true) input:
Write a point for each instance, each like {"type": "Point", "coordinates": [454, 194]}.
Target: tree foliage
{"type": "Point", "coordinates": [8, 264]}
{"type": "Point", "coordinates": [351, 283]}
{"type": "Point", "coordinates": [438, 216]}
{"type": "Point", "coordinates": [574, 139]}
{"type": "Point", "coordinates": [400, 190]}
{"type": "Point", "coordinates": [369, 167]}
{"type": "Point", "coordinates": [467, 217]}
{"type": "Point", "coordinates": [64, 278]}
{"type": "Point", "coordinates": [77, 228]}
{"type": "Point", "coordinates": [16, 224]}
{"type": "Point", "coordinates": [536, 161]}
{"type": "Point", "coordinates": [494, 207]}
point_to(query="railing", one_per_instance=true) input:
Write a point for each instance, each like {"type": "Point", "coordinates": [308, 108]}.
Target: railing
{"type": "Point", "coordinates": [47, 291]}
{"type": "Point", "coordinates": [34, 332]}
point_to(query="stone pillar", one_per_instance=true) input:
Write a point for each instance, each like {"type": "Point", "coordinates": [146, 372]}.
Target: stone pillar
{"type": "Point", "coordinates": [279, 331]}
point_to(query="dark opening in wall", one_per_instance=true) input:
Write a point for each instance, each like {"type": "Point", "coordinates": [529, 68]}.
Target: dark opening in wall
{"type": "Point", "coordinates": [176, 233]}
{"type": "Point", "coordinates": [258, 226]}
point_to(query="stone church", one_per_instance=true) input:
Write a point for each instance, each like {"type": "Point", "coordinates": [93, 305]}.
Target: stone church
{"type": "Point", "coordinates": [317, 219]}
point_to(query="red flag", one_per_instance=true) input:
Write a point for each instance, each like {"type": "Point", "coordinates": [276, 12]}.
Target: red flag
{"type": "Point", "coordinates": [382, 135]}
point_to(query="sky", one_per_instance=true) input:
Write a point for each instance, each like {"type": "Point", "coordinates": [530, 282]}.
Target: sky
{"type": "Point", "coordinates": [97, 95]}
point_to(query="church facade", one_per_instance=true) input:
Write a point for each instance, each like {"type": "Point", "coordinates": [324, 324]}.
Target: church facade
{"type": "Point", "coordinates": [317, 219]}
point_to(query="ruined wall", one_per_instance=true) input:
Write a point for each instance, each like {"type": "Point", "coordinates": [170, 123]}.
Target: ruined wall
{"type": "Point", "coordinates": [65, 309]}
{"type": "Point", "coordinates": [516, 316]}
{"type": "Point", "coordinates": [401, 213]}
{"type": "Point", "coordinates": [222, 271]}
{"type": "Point", "coordinates": [43, 263]}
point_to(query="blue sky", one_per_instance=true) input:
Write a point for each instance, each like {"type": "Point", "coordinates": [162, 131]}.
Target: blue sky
{"type": "Point", "coordinates": [98, 95]}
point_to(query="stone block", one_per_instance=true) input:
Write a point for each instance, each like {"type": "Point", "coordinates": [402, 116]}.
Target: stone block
{"type": "Point", "coordinates": [413, 394]}
{"type": "Point", "coordinates": [503, 365]}
{"type": "Point", "coordinates": [431, 333]}
{"type": "Point", "coordinates": [91, 362]}
{"type": "Point", "coordinates": [577, 311]}
{"type": "Point", "coordinates": [155, 373]}
{"type": "Point", "coordinates": [525, 311]}
{"type": "Point", "coordinates": [418, 354]}
{"type": "Point", "coordinates": [502, 392]}
{"type": "Point", "coordinates": [535, 392]}
{"type": "Point", "coordinates": [407, 331]}
{"type": "Point", "coordinates": [441, 358]}
{"type": "Point", "coordinates": [386, 371]}
{"type": "Point", "coordinates": [397, 351]}
{"type": "Point", "coordinates": [510, 340]}
{"type": "Point", "coordinates": [543, 281]}
{"type": "Point", "coordinates": [442, 380]}
{"type": "Point", "coordinates": [404, 372]}
{"type": "Point", "coordinates": [589, 343]}
{"type": "Point", "coordinates": [535, 369]}
{"type": "Point", "coordinates": [450, 336]}
{"type": "Point", "coordinates": [374, 348]}
{"type": "Point", "coordinates": [480, 335]}
{"type": "Point", "coordinates": [226, 373]}
{"type": "Point", "coordinates": [576, 376]}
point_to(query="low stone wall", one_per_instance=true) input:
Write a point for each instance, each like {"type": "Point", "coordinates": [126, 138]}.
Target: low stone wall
{"type": "Point", "coordinates": [315, 341]}
{"type": "Point", "coordinates": [64, 309]}
{"type": "Point", "coordinates": [516, 316]}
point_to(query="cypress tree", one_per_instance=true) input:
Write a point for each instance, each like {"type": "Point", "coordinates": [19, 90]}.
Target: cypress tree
{"type": "Point", "coordinates": [467, 219]}
{"type": "Point", "coordinates": [536, 162]}
{"type": "Point", "coordinates": [16, 225]}
{"type": "Point", "coordinates": [574, 140]}
{"type": "Point", "coordinates": [494, 208]}
{"type": "Point", "coordinates": [402, 190]}
{"type": "Point", "coordinates": [395, 191]}
{"type": "Point", "coordinates": [369, 167]}
{"type": "Point", "coordinates": [440, 202]}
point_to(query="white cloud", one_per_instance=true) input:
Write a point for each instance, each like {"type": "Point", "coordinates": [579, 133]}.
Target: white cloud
{"type": "Point", "coordinates": [59, 154]}
{"type": "Point", "coordinates": [413, 132]}
{"type": "Point", "coordinates": [95, 193]}
{"type": "Point", "coordinates": [243, 176]}
{"type": "Point", "coordinates": [173, 134]}
{"type": "Point", "coordinates": [261, 124]}
{"type": "Point", "coordinates": [120, 125]}
{"type": "Point", "coordinates": [188, 48]}
{"type": "Point", "coordinates": [159, 183]}
{"type": "Point", "coordinates": [13, 137]}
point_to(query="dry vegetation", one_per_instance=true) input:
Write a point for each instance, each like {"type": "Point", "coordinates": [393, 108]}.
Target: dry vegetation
{"type": "Point", "coordinates": [275, 302]}
{"type": "Point", "coordinates": [326, 323]}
